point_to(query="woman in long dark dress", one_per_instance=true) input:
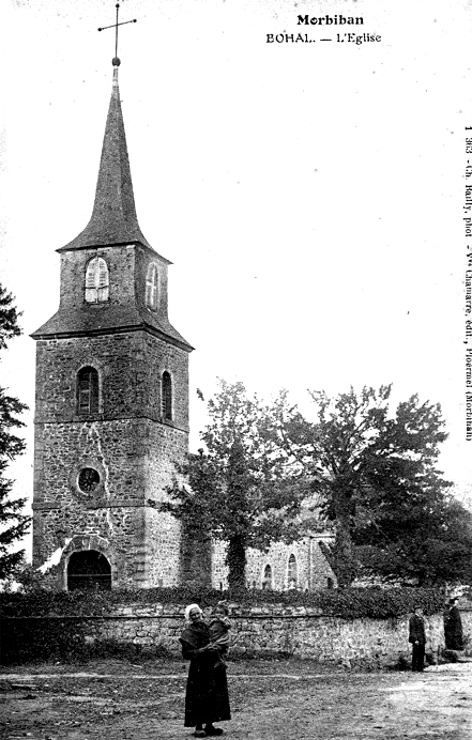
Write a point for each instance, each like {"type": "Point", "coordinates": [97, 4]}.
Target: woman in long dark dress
{"type": "Point", "coordinates": [206, 698]}
{"type": "Point", "coordinates": [453, 626]}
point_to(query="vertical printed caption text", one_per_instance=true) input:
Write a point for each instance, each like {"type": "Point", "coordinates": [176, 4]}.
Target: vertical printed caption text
{"type": "Point", "coordinates": [467, 219]}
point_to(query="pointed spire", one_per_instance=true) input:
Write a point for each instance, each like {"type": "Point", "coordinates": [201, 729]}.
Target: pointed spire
{"type": "Point", "coordinates": [114, 219]}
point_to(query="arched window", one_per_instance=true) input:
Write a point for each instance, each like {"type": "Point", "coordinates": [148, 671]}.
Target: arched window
{"type": "Point", "coordinates": [87, 391]}
{"type": "Point", "coordinates": [292, 574]}
{"type": "Point", "coordinates": [96, 281]}
{"type": "Point", "coordinates": [166, 396]}
{"type": "Point", "coordinates": [152, 279]}
{"type": "Point", "coordinates": [88, 569]}
{"type": "Point", "coordinates": [267, 578]}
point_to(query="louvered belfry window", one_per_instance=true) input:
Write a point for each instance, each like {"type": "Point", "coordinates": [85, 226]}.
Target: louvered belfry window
{"type": "Point", "coordinates": [96, 281]}
{"type": "Point", "coordinates": [87, 391]}
{"type": "Point", "coordinates": [166, 396]}
{"type": "Point", "coordinates": [152, 279]}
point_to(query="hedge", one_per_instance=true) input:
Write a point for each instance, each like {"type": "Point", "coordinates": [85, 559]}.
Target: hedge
{"type": "Point", "coordinates": [352, 603]}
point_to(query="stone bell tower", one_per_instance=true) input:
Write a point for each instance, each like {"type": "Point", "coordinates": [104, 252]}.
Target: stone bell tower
{"type": "Point", "coordinates": [111, 417]}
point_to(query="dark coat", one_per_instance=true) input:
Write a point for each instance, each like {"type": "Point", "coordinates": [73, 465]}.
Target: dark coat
{"type": "Point", "coordinates": [453, 629]}
{"type": "Point", "coordinates": [206, 697]}
{"type": "Point", "coordinates": [417, 630]}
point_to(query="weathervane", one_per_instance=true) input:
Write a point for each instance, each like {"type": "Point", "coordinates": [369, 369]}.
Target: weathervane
{"type": "Point", "coordinates": [115, 61]}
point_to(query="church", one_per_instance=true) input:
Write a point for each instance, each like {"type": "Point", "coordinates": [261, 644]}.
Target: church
{"type": "Point", "coordinates": [111, 411]}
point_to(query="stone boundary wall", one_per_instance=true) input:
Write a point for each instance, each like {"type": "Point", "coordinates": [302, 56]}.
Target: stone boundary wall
{"type": "Point", "coordinates": [260, 631]}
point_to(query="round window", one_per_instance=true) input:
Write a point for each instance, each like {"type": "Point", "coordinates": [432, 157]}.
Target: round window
{"type": "Point", "coordinates": [89, 479]}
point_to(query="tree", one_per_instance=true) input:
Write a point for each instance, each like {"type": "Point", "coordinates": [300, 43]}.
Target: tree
{"type": "Point", "coordinates": [244, 489]}
{"type": "Point", "coordinates": [427, 541]}
{"type": "Point", "coordinates": [13, 524]}
{"type": "Point", "coordinates": [364, 462]}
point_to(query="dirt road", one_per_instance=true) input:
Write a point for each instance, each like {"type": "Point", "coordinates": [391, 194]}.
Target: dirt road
{"type": "Point", "coordinates": [111, 700]}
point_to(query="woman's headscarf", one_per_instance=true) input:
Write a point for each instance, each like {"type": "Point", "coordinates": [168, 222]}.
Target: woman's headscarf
{"type": "Point", "coordinates": [195, 634]}
{"type": "Point", "coordinates": [189, 608]}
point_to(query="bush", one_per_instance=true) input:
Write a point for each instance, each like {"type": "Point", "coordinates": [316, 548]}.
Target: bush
{"type": "Point", "coordinates": [30, 639]}
{"type": "Point", "coordinates": [349, 603]}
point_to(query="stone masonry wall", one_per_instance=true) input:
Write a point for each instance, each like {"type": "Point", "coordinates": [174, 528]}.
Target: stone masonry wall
{"type": "Point", "coordinates": [297, 631]}
{"type": "Point", "coordinates": [312, 569]}
{"type": "Point", "coordinates": [113, 511]}
{"type": "Point", "coordinates": [117, 532]}
{"type": "Point", "coordinates": [162, 543]}
{"type": "Point", "coordinates": [126, 441]}
{"type": "Point", "coordinates": [127, 268]}
{"type": "Point", "coordinates": [130, 367]}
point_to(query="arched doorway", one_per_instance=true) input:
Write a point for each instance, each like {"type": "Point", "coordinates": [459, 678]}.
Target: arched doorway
{"type": "Point", "coordinates": [88, 569]}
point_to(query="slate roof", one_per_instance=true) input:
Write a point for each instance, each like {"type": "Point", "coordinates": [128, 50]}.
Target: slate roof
{"type": "Point", "coordinates": [114, 219]}
{"type": "Point", "coordinates": [89, 320]}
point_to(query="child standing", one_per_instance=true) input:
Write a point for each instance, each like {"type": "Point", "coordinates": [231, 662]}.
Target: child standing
{"type": "Point", "coordinates": [219, 626]}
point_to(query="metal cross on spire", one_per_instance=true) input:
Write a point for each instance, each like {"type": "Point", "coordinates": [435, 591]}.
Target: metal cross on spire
{"type": "Point", "coordinates": [116, 62]}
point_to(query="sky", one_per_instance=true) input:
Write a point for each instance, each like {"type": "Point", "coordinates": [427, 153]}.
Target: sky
{"type": "Point", "coordinates": [309, 195]}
